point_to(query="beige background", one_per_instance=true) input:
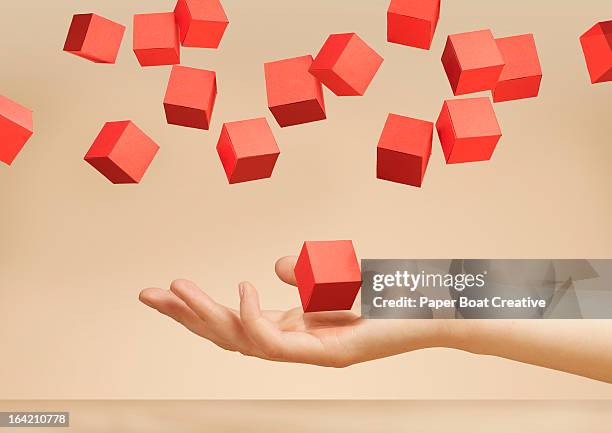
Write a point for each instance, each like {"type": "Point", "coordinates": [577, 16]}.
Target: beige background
{"type": "Point", "coordinates": [75, 250]}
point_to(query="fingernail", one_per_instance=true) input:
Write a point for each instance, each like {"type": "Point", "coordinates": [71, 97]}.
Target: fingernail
{"type": "Point", "coordinates": [240, 290]}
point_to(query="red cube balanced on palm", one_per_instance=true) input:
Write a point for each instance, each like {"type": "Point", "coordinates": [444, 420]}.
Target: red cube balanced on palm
{"type": "Point", "coordinates": [295, 96]}
{"type": "Point", "coordinates": [522, 72]}
{"type": "Point", "coordinates": [472, 61]}
{"type": "Point", "coordinates": [346, 65]}
{"type": "Point", "coordinates": [94, 38]}
{"type": "Point", "coordinates": [202, 23]}
{"type": "Point", "coordinates": [248, 150]}
{"type": "Point", "coordinates": [16, 128]}
{"type": "Point", "coordinates": [404, 149]}
{"type": "Point", "coordinates": [327, 275]}
{"type": "Point", "coordinates": [468, 130]}
{"type": "Point", "coordinates": [190, 97]}
{"type": "Point", "coordinates": [122, 152]}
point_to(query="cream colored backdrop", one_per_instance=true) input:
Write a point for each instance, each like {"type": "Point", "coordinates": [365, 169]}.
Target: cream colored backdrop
{"type": "Point", "coordinates": [75, 250]}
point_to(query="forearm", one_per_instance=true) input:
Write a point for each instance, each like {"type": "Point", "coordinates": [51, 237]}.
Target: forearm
{"type": "Point", "coordinates": [582, 347]}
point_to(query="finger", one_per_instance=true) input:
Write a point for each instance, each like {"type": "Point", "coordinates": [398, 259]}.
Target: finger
{"type": "Point", "coordinates": [221, 321]}
{"type": "Point", "coordinates": [259, 329]}
{"type": "Point", "coordinates": [172, 306]}
{"type": "Point", "coordinates": [284, 269]}
{"type": "Point", "coordinates": [202, 304]}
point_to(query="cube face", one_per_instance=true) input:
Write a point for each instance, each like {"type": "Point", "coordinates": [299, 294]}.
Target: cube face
{"type": "Point", "coordinates": [597, 49]}
{"type": "Point", "coordinates": [404, 149]}
{"type": "Point", "coordinates": [400, 167]}
{"type": "Point", "coordinates": [413, 22]}
{"type": "Point", "coordinates": [122, 152]}
{"type": "Point", "coordinates": [520, 88]}
{"type": "Point", "coordinates": [190, 97]}
{"type": "Point", "coordinates": [247, 150]}
{"type": "Point", "coordinates": [298, 113]}
{"type": "Point", "coordinates": [295, 96]}
{"type": "Point", "coordinates": [522, 72]}
{"type": "Point", "coordinates": [16, 128]}
{"type": "Point", "coordinates": [468, 130]}
{"type": "Point", "coordinates": [472, 61]}
{"type": "Point", "coordinates": [156, 39]}
{"type": "Point", "coordinates": [94, 38]}
{"type": "Point", "coordinates": [202, 23]}
{"type": "Point", "coordinates": [346, 64]}
{"type": "Point", "coordinates": [327, 275]}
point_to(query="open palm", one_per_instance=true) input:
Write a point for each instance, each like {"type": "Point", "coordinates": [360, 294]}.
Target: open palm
{"type": "Point", "coordinates": [335, 339]}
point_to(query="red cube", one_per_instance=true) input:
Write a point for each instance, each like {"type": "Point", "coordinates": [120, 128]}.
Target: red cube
{"type": "Point", "coordinates": [346, 64]}
{"type": "Point", "coordinates": [295, 96]}
{"type": "Point", "coordinates": [156, 39]}
{"type": "Point", "coordinates": [202, 23]}
{"type": "Point", "coordinates": [122, 152]}
{"type": "Point", "coordinates": [16, 128]}
{"type": "Point", "coordinates": [468, 130]}
{"type": "Point", "coordinates": [404, 149]}
{"type": "Point", "coordinates": [94, 38]}
{"type": "Point", "coordinates": [327, 275]}
{"type": "Point", "coordinates": [597, 48]}
{"type": "Point", "coordinates": [412, 22]}
{"type": "Point", "coordinates": [522, 72]}
{"type": "Point", "coordinates": [248, 150]}
{"type": "Point", "coordinates": [190, 97]}
{"type": "Point", "coordinates": [472, 61]}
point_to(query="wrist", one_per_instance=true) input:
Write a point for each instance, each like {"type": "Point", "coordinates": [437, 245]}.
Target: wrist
{"type": "Point", "coordinates": [459, 334]}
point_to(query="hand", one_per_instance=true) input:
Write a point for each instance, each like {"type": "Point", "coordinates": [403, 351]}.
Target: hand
{"type": "Point", "coordinates": [333, 339]}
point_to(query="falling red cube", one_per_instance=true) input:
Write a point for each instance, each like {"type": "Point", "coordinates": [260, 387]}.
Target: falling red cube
{"type": "Point", "coordinates": [190, 97]}
{"type": "Point", "coordinates": [597, 49]}
{"type": "Point", "coordinates": [202, 23]}
{"type": "Point", "coordinates": [16, 128]}
{"type": "Point", "coordinates": [327, 275]}
{"type": "Point", "coordinates": [248, 150]}
{"type": "Point", "coordinates": [295, 96]}
{"type": "Point", "coordinates": [522, 72]}
{"type": "Point", "coordinates": [122, 152]}
{"type": "Point", "coordinates": [156, 39]}
{"type": "Point", "coordinates": [404, 149]}
{"type": "Point", "coordinates": [468, 130]}
{"type": "Point", "coordinates": [472, 61]}
{"type": "Point", "coordinates": [412, 22]}
{"type": "Point", "coordinates": [346, 65]}
{"type": "Point", "coordinates": [94, 38]}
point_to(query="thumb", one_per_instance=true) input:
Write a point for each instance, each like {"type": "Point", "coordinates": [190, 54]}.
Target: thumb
{"type": "Point", "coordinates": [284, 269]}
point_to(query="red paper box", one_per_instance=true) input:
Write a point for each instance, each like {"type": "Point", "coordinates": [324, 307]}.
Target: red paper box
{"type": "Point", "coordinates": [248, 150]}
{"type": "Point", "coordinates": [202, 23]}
{"type": "Point", "coordinates": [412, 22]}
{"type": "Point", "coordinates": [16, 128]}
{"type": "Point", "coordinates": [403, 150]}
{"type": "Point", "coordinates": [295, 96]}
{"type": "Point", "coordinates": [327, 275]}
{"type": "Point", "coordinates": [190, 97]}
{"type": "Point", "coordinates": [522, 72]}
{"type": "Point", "coordinates": [346, 64]}
{"type": "Point", "coordinates": [468, 130]}
{"type": "Point", "coordinates": [597, 48]}
{"type": "Point", "coordinates": [94, 38]}
{"type": "Point", "coordinates": [156, 39]}
{"type": "Point", "coordinates": [122, 152]}
{"type": "Point", "coordinates": [472, 62]}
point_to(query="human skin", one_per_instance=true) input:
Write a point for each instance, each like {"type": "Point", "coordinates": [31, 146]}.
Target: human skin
{"type": "Point", "coordinates": [341, 339]}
